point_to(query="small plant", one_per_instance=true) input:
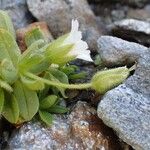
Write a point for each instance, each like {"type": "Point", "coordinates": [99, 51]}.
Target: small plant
{"type": "Point", "coordinates": [34, 82]}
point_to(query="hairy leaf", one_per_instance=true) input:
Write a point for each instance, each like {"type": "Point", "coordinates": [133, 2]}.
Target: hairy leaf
{"type": "Point", "coordinates": [46, 117]}
{"type": "Point", "coordinates": [10, 109]}
{"type": "Point", "coordinates": [27, 100]}
{"type": "Point", "coordinates": [62, 77]}
{"type": "Point", "coordinates": [58, 109]}
{"type": "Point", "coordinates": [32, 84]}
{"type": "Point", "coordinates": [57, 76]}
{"type": "Point", "coordinates": [48, 102]}
{"type": "Point", "coordinates": [41, 67]}
{"type": "Point", "coordinates": [6, 23]}
{"type": "Point", "coordinates": [80, 75]}
{"type": "Point", "coordinates": [34, 47]}
{"type": "Point", "coordinates": [5, 86]}
{"type": "Point", "coordinates": [68, 70]}
{"type": "Point", "coordinates": [33, 36]}
{"type": "Point", "coordinates": [32, 61]}
{"type": "Point", "coordinates": [8, 47]}
{"type": "Point", "coordinates": [33, 58]}
{"type": "Point", "coordinates": [1, 99]}
{"type": "Point", "coordinates": [8, 71]}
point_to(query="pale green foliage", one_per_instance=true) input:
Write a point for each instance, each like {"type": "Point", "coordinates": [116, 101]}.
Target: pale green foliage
{"type": "Point", "coordinates": [1, 99]}
{"type": "Point", "coordinates": [48, 102]}
{"type": "Point", "coordinates": [18, 93]}
{"type": "Point", "coordinates": [6, 23]}
{"type": "Point", "coordinates": [27, 100]}
{"type": "Point", "coordinates": [11, 109]}
{"type": "Point", "coordinates": [46, 117]}
{"type": "Point", "coordinates": [34, 82]}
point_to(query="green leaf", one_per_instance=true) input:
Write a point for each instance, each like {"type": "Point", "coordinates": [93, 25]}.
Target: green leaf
{"type": "Point", "coordinates": [33, 36]}
{"type": "Point", "coordinates": [40, 67]}
{"type": "Point", "coordinates": [80, 75]}
{"type": "Point", "coordinates": [68, 69]}
{"type": "Point", "coordinates": [6, 23]}
{"type": "Point", "coordinates": [57, 76]}
{"type": "Point", "coordinates": [48, 102]}
{"type": "Point", "coordinates": [46, 117]}
{"type": "Point", "coordinates": [33, 58]}
{"type": "Point", "coordinates": [27, 100]}
{"type": "Point", "coordinates": [31, 62]}
{"type": "Point", "coordinates": [61, 76]}
{"type": "Point", "coordinates": [8, 47]}
{"type": "Point", "coordinates": [34, 47]}
{"type": "Point", "coordinates": [32, 84]}
{"type": "Point", "coordinates": [8, 71]}
{"type": "Point", "coordinates": [10, 109]}
{"type": "Point", "coordinates": [1, 99]}
{"type": "Point", "coordinates": [42, 94]}
{"type": "Point", "coordinates": [5, 86]}
{"type": "Point", "coordinates": [58, 109]}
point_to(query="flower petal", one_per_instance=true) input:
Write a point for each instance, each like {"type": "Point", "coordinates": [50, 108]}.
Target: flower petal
{"type": "Point", "coordinates": [86, 56]}
{"type": "Point", "coordinates": [80, 47]}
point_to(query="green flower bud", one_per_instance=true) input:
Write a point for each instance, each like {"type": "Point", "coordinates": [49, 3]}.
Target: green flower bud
{"type": "Point", "coordinates": [107, 79]}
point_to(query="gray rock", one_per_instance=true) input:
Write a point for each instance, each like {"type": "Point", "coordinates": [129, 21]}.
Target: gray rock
{"type": "Point", "coordinates": [133, 30]}
{"type": "Point", "coordinates": [118, 14]}
{"type": "Point", "coordinates": [18, 11]}
{"type": "Point", "coordinates": [126, 108]}
{"type": "Point", "coordinates": [115, 51]}
{"type": "Point", "coordinates": [1, 131]}
{"type": "Point", "coordinates": [108, 13]}
{"type": "Point", "coordinates": [82, 129]}
{"type": "Point", "coordinates": [5, 128]}
{"type": "Point", "coordinates": [135, 3]}
{"type": "Point", "coordinates": [58, 14]}
{"type": "Point", "coordinates": [140, 14]}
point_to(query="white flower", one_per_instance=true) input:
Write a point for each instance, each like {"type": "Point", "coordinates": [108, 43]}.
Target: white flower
{"type": "Point", "coordinates": [80, 47]}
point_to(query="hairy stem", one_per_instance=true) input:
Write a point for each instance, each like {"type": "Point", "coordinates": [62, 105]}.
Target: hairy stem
{"type": "Point", "coordinates": [59, 84]}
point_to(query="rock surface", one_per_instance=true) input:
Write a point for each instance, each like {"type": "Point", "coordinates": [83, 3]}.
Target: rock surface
{"type": "Point", "coordinates": [140, 14]}
{"type": "Point", "coordinates": [135, 3]}
{"type": "Point", "coordinates": [82, 129]}
{"type": "Point", "coordinates": [132, 29]}
{"type": "Point", "coordinates": [18, 11]}
{"type": "Point", "coordinates": [1, 131]}
{"type": "Point", "coordinates": [126, 108]}
{"type": "Point", "coordinates": [58, 14]}
{"type": "Point", "coordinates": [115, 51]}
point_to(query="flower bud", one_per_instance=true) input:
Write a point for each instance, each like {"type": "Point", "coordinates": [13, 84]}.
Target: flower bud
{"type": "Point", "coordinates": [107, 79]}
{"type": "Point", "coordinates": [69, 47]}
